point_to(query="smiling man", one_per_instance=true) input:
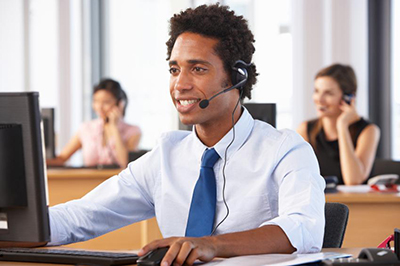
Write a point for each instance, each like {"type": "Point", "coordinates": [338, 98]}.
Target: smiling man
{"type": "Point", "coordinates": [218, 191]}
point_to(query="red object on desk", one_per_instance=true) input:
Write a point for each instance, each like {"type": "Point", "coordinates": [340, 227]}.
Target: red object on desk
{"type": "Point", "coordinates": [389, 188]}
{"type": "Point", "coordinates": [386, 242]}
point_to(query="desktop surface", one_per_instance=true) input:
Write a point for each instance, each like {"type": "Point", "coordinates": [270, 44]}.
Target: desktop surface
{"type": "Point", "coordinates": [252, 260]}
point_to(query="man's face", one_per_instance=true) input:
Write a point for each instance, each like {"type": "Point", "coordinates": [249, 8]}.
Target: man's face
{"type": "Point", "coordinates": [197, 73]}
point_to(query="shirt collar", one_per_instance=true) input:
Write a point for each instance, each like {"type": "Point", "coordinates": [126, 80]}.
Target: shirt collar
{"type": "Point", "coordinates": [243, 128]}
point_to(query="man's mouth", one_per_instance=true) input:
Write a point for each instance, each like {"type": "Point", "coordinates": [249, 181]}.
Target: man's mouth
{"type": "Point", "coordinates": [187, 102]}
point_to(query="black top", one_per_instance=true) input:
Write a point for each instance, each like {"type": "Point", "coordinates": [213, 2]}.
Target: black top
{"type": "Point", "coordinates": [328, 151]}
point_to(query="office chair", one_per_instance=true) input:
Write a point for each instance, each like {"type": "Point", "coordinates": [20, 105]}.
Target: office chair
{"type": "Point", "coordinates": [336, 217]}
{"type": "Point", "coordinates": [382, 167]}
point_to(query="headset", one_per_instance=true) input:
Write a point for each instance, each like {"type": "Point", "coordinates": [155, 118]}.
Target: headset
{"type": "Point", "coordinates": [239, 78]}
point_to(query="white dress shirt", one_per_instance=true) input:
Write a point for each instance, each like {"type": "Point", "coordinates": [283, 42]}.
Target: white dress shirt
{"type": "Point", "coordinates": [272, 178]}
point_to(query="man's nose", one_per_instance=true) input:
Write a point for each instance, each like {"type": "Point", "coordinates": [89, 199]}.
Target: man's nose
{"type": "Point", "coordinates": [183, 81]}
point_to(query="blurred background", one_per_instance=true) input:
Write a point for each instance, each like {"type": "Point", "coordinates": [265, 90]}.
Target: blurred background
{"type": "Point", "coordinates": [61, 48]}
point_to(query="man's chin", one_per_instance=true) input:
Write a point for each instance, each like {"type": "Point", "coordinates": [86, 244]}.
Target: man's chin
{"type": "Point", "coordinates": [186, 121]}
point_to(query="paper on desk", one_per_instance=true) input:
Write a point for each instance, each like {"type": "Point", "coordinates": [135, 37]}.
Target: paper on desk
{"type": "Point", "coordinates": [277, 259]}
{"type": "Point", "coordinates": [354, 189]}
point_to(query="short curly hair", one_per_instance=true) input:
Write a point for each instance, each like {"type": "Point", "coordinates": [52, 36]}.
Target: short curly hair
{"type": "Point", "coordinates": [217, 21]}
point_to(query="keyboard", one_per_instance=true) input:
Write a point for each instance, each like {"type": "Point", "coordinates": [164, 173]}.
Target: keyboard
{"type": "Point", "coordinates": [67, 256]}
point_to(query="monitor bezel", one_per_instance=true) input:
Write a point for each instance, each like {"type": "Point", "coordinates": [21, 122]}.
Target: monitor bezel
{"type": "Point", "coordinates": [27, 225]}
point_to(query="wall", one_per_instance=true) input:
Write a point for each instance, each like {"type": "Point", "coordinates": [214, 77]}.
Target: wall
{"type": "Point", "coordinates": [327, 32]}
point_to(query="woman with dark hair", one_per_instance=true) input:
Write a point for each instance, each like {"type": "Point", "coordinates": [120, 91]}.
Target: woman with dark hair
{"type": "Point", "coordinates": [344, 142]}
{"type": "Point", "coordinates": [108, 139]}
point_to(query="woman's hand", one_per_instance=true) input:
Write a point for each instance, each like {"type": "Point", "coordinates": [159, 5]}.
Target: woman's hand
{"type": "Point", "coordinates": [114, 115]}
{"type": "Point", "coordinates": [348, 116]}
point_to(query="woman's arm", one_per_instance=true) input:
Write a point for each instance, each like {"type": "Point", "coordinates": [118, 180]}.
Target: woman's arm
{"type": "Point", "coordinates": [73, 145]}
{"type": "Point", "coordinates": [302, 130]}
{"type": "Point", "coordinates": [356, 163]}
{"type": "Point", "coordinates": [121, 149]}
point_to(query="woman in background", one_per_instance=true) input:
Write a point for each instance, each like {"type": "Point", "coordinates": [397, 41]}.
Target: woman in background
{"type": "Point", "coordinates": [344, 142]}
{"type": "Point", "coordinates": [108, 139]}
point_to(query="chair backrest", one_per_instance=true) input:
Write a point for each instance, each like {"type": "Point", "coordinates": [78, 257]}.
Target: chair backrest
{"type": "Point", "coordinates": [382, 166]}
{"type": "Point", "coordinates": [336, 217]}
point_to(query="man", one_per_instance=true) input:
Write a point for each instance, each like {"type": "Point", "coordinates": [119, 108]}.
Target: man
{"type": "Point", "coordinates": [269, 194]}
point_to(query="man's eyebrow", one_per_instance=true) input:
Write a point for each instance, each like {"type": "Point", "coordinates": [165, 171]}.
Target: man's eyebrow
{"type": "Point", "coordinates": [191, 61]}
{"type": "Point", "coordinates": [198, 61]}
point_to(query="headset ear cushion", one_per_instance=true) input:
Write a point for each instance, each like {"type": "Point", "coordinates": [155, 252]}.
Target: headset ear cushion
{"type": "Point", "coordinates": [239, 72]}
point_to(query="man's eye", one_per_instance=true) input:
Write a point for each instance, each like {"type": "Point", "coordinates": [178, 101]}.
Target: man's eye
{"type": "Point", "coordinates": [173, 70]}
{"type": "Point", "coordinates": [199, 69]}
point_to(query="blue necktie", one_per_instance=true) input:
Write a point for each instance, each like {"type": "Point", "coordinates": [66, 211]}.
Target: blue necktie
{"type": "Point", "coordinates": [202, 209]}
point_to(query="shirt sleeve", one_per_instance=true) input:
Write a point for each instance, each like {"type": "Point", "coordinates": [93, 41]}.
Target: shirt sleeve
{"type": "Point", "coordinates": [301, 195]}
{"type": "Point", "coordinates": [104, 209]}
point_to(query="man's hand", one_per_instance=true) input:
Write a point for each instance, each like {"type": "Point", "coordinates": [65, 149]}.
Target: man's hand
{"type": "Point", "coordinates": [183, 250]}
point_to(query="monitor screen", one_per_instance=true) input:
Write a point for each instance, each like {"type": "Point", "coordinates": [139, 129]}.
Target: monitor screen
{"type": "Point", "coordinates": [23, 182]}
{"type": "Point", "coordinates": [134, 155]}
{"type": "Point", "coordinates": [48, 130]}
{"type": "Point", "coordinates": [262, 111]}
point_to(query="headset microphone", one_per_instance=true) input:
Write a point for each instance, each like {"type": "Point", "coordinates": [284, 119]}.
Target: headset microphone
{"type": "Point", "coordinates": [239, 76]}
{"type": "Point", "coordinates": [204, 103]}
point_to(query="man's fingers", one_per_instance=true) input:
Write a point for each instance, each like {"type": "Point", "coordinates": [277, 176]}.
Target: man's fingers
{"type": "Point", "coordinates": [185, 249]}
{"type": "Point", "coordinates": [193, 256]}
{"type": "Point", "coordinates": [171, 254]}
{"type": "Point", "coordinates": [153, 245]}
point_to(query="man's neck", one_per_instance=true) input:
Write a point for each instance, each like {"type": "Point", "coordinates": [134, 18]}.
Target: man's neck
{"type": "Point", "coordinates": [211, 134]}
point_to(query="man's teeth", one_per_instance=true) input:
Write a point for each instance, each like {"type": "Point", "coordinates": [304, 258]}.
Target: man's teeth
{"type": "Point", "coordinates": [187, 102]}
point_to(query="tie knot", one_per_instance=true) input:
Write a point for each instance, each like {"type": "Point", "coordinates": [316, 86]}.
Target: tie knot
{"type": "Point", "coordinates": [210, 157]}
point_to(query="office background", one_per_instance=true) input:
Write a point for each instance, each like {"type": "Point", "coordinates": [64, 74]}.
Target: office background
{"type": "Point", "coordinates": [61, 48]}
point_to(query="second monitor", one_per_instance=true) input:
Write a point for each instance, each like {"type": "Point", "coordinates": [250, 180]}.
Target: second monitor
{"type": "Point", "coordinates": [48, 130]}
{"type": "Point", "coordinates": [262, 111]}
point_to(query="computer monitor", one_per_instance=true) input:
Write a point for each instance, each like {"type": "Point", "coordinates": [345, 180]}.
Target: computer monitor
{"type": "Point", "coordinates": [134, 155]}
{"type": "Point", "coordinates": [48, 130]}
{"type": "Point", "coordinates": [262, 111]}
{"type": "Point", "coordinates": [23, 186]}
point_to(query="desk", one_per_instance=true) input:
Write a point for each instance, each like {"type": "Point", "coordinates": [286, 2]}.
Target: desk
{"type": "Point", "coordinates": [69, 184]}
{"type": "Point", "coordinates": [353, 251]}
{"type": "Point", "coordinates": [373, 217]}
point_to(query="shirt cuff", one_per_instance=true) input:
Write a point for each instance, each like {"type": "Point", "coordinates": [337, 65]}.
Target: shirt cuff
{"type": "Point", "coordinates": [296, 234]}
